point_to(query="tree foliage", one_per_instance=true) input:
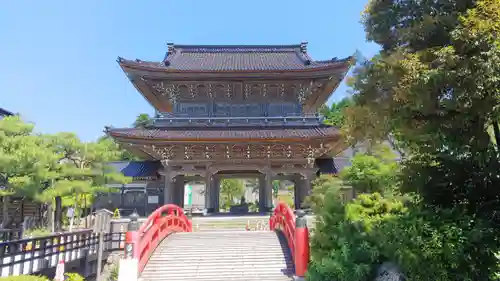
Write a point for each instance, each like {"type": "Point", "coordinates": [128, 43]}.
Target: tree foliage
{"type": "Point", "coordinates": [41, 167]}
{"type": "Point", "coordinates": [26, 159]}
{"type": "Point", "coordinates": [435, 84]}
{"type": "Point", "coordinates": [434, 87]}
{"type": "Point", "coordinates": [372, 172]}
{"type": "Point", "coordinates": [231, 190]}
{"type": "Point", "coordinates": [142, 121]}
{"type": "Point", "coordinates": [341, 247]}
{"type": "Point", "coordinates": [351, 239]}
{"type": "Point", "coordinates": [83, 167]}
{"type": "Point", "coordinates": [335, 114]}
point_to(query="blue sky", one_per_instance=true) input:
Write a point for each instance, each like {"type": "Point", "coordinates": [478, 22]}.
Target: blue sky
{"type": "Point", "coordinates": [58, 58]}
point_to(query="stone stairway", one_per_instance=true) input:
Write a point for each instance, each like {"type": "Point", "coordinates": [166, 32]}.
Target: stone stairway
{"type": "Point", "coordinates": [221, 256]}
{"type": "Point", "coordinates": [230, 223]}
{"type": "Point", "coordinates": [236, 223]}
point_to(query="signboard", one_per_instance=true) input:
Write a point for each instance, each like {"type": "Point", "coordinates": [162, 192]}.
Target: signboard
{"type": "Point", "coordinates": [153, 199]}
{"type": "Point", "coordinates": [188, 195]}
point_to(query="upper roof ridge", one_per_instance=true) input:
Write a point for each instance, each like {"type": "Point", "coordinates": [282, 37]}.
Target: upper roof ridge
{"type": "Point", "coordinates": [238, 58]}
{"type": "Point", "coordinates": [233, 48]}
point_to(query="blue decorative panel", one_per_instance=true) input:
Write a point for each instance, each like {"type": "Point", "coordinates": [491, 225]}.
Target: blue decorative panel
{"type": "Point", "coordinates": [238, 110]}
{"type": "Point", "coordinates": [192, 109]}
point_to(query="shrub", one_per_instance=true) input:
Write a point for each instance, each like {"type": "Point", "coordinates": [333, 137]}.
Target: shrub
{"type": "Point", "coordinates": [351, 240]}
{"type": "Point", "coordinates": [37, 232]}
{"type": "Point", "coordinates": [343, 246]}
{"type": "Point", "coordinates": [376, 171]}
{"type": "Point", "coordinates": [74, 277]}
{"type": "Point", "coordinates": [438, 244]}
{"type": "Point", "coordinates": [326, 186]}
{"type": "Point", "coordinates": [113, 276]}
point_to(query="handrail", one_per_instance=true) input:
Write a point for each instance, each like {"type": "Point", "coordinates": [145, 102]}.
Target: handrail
{"type": "Point", "coordinates": [290, 116]}
{"type": "Point", "coordinates": [161, 223]}
{"type": "Point", "coordinates": [7, 234]}
{"type": "Point", "coordinates": [283, 219]}
{"type": "Point", "coordinates": [33, 255]}
{"type": "Point", "coordinates": [296, 233]}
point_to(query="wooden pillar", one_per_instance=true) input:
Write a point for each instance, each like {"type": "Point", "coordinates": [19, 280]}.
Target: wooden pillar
{"type": "Point", "coordinates": [179, 191]}
{"type": "Point", "coordinates": [262, 192]}
{"type": "Point", "coordinates": [268, 192]}
{"type": "Point", "coordinates": [168, 194]}
{"type": "Point", "coordinates": [297, 183]}
{"type": "Point", "coordinates": [216, 193]}
{"type": "Point", "coordinates": [168, 176]}
{"type": "Point", "coordinates": [208, 192]}
{"type": "Point", "coordinates": [304, 188]}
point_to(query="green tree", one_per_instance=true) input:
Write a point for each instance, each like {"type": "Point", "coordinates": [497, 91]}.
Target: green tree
{"type": "Point", "coordinates": [230, 190]}
{"type": "Point", "coordinates": [435, 88]}
{"type": "Point", "coordinates": [40, 168]}
{"type": "Point", "coordinates": [121, 154]}
{"type": "Point", "coordinates": [82, 172]}
{"type": "Point", "coordinates": [326, 187]}
{"type": "Point", "coordinates": [143, 120]}
{"type": "Point", "coordinates": [26, 162]}
{"type": "Point", "coordinates": [335, 114]}
{"type": "Point", "coordinates": [373, 172]}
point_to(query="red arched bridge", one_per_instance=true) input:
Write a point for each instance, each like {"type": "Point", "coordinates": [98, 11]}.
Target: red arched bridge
{"type": "Point", "coordinates": [165, 248]}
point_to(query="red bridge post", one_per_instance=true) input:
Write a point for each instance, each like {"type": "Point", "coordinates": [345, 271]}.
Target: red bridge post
{"type": "Point", "coordinates": [301, 255]}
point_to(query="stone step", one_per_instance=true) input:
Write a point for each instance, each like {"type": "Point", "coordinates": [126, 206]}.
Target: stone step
{"type": "Point", "coordinates": [220, 277]}
{"type": "Point", "coordinates": [209, 224]}
{"type": "Point", "coordinates": [221, 255]}
{"type": "Point", "coordinates": [209, 267]}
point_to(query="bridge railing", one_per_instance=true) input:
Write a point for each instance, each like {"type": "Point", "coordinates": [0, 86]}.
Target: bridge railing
{"type": "Point", "coordinates": [31, 255]}
{"type": "Point", "coordinates": [141, 241]}
{"type": "Point", "coordinates": [10, 234]}
{"type": "Point", "coordinates": [296, 233]}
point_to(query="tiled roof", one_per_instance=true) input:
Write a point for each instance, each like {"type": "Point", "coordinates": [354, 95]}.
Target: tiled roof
{"type": "Point", "coordinates": [137, 169]}
{"type": "Point", "coordinates": [238, 58]}
{"type": "Point", "coordinates": [341, 163]}
{"type": "Point", "coordinates": [225, 133]}
{"type": "Point", "coordinates": [332, 165]}
{"type": "Point", "coordinates": [4, 112]}
{"type": "Point", "coordinates": [326, 166]}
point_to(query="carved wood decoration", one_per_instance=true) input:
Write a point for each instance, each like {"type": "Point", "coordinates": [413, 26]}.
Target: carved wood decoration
{"type": "Point", "coordinates": [296, 91]}
{"type": "Point", "coordinates": [309, 151]}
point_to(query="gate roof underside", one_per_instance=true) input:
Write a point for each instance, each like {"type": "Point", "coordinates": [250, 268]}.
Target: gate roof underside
{"type": "Point", "coordinates": [207, 64]}
{"type": "Point", "coordinates": [224, 144]}
{"type": "Point", "coordinates": [140, 170]}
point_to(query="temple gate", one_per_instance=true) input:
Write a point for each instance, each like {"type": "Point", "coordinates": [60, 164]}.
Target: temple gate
{"type": "Point", "coordinates": [224, 111]}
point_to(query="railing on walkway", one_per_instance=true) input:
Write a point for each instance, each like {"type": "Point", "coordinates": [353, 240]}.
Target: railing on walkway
{"type": "Point", "coordinates": [10, 234]}
{"type": "Point", "coordinates": [296, 233]}
{"type": "Point", "coordinates": [28, 256]}
{"type": "Point", "coordinates": [140, 242]}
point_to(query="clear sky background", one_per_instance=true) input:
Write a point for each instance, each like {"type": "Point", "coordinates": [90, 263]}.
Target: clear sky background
{"type": "Point", "coordinates": [58, 58]}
